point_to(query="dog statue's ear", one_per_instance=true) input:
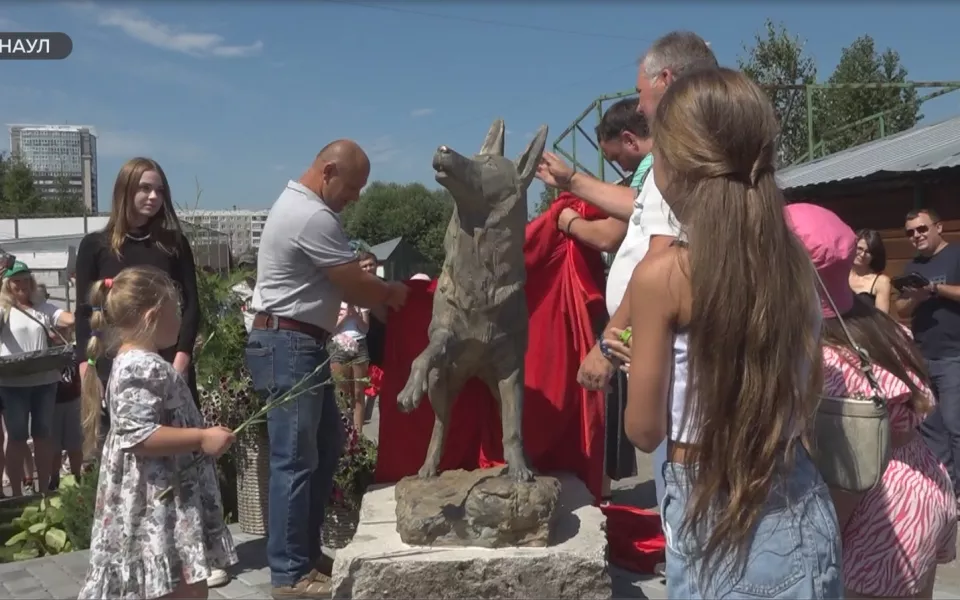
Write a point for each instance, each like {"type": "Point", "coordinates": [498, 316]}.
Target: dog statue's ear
{"type": "Point", "coordinates": [493, 144]}
{"type": "Point", "coordinates": [528, 161]}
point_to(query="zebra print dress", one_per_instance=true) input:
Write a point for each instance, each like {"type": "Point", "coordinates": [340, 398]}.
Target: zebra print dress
{"type": "Point", "coordinates": [908, 524]}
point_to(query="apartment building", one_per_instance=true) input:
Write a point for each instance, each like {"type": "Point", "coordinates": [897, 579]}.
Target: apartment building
{"type": "Point", "coordinates": [58, 154]}
{"type": "Point", "coordinates": [244, 227]}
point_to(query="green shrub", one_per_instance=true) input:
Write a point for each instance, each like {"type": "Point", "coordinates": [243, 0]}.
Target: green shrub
{"type": "Point", "coordinates": [40, 531]}
{"type": "Point", "coordinates": [79, 502]}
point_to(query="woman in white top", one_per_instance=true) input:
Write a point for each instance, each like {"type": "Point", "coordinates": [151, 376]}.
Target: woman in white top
{"type": "Point", "coordinates": [349, 359]}
{"type": "Point", "coordinates": [28, 400]}
{"type": "Point", "coordinates": [725, 360]}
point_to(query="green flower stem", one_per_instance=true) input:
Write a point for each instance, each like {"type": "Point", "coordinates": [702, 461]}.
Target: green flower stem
{"type": "Point", "coordinates": [283, 400]}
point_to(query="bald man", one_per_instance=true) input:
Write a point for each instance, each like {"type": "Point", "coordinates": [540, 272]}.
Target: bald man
{"type": "Point", "coordinates": [305, 269]}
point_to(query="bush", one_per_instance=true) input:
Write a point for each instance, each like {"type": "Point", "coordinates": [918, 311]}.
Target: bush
{"type": "Point", "coordinates": [79, 501]}
{"type": "Point", "coordinates": [40, 531]}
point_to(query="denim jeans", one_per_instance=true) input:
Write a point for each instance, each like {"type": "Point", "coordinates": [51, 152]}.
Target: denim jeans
{"type": "Point", "coordinates": [29, 411]}
{"type": "Point", "coordinates": [941, 429]}
{"type": "Point", "coordinates": [794, 551]}
{"type": "Point", "coordinates": [306, 440]}
{"type": "Point", "coordinates": [659, 462]}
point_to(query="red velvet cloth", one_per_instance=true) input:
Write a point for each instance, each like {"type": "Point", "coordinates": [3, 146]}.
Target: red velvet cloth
{"type": "Point", "coordinates": [634, 537]}
{"type": "Point", "coordinates": [376, 376]}
{"type": "Point", "coordinates": [563, 423]}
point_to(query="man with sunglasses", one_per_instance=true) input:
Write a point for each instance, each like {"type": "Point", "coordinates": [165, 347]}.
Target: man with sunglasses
{"type": "Point", "coordinates": [934, 312]}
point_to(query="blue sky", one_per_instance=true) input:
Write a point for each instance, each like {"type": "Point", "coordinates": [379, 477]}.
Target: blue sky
{"type": "Point", "coordinates": [240, 96]}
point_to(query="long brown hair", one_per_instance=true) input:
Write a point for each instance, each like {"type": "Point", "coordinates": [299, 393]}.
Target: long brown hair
{"type": "Point", "coordinates": [164, 227]}
{"type": "Point", "coordinates": [887, 344]}
{"type": "Point", "coordinates": [120, 315]}
{"type": "Point", "coordinates": [754, 353]}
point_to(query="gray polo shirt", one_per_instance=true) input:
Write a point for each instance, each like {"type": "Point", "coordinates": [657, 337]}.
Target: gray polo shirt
{"type": "Point", "coordinates": [301, 237]}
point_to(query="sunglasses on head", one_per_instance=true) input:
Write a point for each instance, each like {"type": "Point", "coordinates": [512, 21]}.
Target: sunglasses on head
{"type": "Point", "coordinates": [919, 229]}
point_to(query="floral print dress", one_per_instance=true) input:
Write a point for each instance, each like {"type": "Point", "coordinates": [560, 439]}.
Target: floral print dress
{"type": "Point", "coordinates": [142, 546]}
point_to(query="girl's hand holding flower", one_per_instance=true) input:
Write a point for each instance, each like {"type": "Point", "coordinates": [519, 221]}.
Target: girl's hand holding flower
{"type": "Point", "coordinates": [618, 343]}
{"type": "Point", "coordinates": [216, 440]}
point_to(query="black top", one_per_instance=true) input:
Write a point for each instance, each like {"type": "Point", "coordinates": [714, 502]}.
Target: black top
{"type": "Point", "coordinates": [871, 296]}
{"type": "Point", "coordinates": [95, 261]}
{"type": "Point", "coordinates": [936, 321]}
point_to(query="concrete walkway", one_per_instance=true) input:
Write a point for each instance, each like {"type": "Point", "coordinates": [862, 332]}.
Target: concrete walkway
{"type": "Point", "coordinates": [57, 577]}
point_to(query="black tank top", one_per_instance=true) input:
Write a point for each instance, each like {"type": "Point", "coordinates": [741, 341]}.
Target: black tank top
{"type": "Point", "coordinates": [870, 297]}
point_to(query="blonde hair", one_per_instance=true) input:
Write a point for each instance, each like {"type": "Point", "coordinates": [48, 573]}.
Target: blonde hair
{"type": "Point", "coordinates": [120, 308]}
{"type": "Point", "coordinates": [164, 227]}
{"type": "Point", "coordinates": [7, 298]}
{"type": "Point", "coordinates": [755, 364]}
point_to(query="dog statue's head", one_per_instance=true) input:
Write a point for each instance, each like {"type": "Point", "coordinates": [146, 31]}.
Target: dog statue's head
{"type": "Point", "coordinates": [489, 181]}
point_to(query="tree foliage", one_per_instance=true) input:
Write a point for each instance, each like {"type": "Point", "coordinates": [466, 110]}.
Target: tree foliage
{"type": "Point", "coordinates": [66, 200]}
{"type": "Point", "coordinates": [389, 210]}
{"type": "Point", "coordinates": [20, 196]}
{"type": "Point", "coordinates": [860, 62]}
{"type": "Point", "coordinates": [777, 58]}
{"type": "Point", "coordinates": [547, 196]}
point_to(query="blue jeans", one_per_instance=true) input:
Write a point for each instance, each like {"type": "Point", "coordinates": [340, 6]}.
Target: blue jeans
{"type": "Point", "coordinates": [306, 440]}
{"type": "Point", "coordinates": [794, 551]}
{"type": "Point", "coordinates": [941, 429]}
{"type": "Point", "coordinates": [659, 462]}
{"type": "Point", "coordinates": [28, 411]}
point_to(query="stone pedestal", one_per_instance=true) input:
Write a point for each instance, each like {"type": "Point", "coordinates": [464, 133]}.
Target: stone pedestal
{"type": "Point", "coordinates": [378, 564]}
{"type": "Point", "coordinates": [476, 508]}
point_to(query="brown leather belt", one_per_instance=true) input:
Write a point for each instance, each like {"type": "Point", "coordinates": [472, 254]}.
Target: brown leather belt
{"type": "Point", "coordinates": [268, 321]}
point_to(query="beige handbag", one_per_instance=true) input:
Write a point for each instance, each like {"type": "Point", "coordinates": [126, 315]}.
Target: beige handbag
{"type": "Point", "coordinates": [853, 434]}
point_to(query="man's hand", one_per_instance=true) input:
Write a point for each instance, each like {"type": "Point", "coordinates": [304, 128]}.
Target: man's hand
{"type": "Point", "coordinates": [397, 294]}
{"type": "Point", "coordinates": [918, 294]}
{"type": "Point", "coordinates": [566, 217]}
{"type": "Point", "coordinates": [595, 370]}
{"type": "Point", "coordinates": [554, 172]}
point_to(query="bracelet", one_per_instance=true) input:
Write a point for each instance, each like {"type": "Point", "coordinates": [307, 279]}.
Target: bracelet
{"type": "Point", "coordinates": [570, 224]}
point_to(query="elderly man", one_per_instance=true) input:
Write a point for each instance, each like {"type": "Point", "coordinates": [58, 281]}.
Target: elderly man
{"type": "Point", "coordinates": [652, 227]}
{"type": "Point", "coordinates": [306, 268]}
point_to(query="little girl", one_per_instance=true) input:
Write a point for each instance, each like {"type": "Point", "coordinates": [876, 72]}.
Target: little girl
{"type": "Point", "coordinates": [145, 545]}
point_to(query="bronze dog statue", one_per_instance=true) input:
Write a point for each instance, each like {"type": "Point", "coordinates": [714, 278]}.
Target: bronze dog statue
{"type": "Point", "coordinates": [480, 318]}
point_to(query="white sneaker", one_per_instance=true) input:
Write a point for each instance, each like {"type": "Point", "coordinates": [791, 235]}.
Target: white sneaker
{"type": "Point", "coordinates": [218, 577]}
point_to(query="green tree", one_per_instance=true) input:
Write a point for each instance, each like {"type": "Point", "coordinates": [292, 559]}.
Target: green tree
{"type": "Point", "coordinates": [778, 58]}
{"type": "Point", "coordinates": [20, 196]}
{"type": "Point", "coordinates": [547, 196]}
{"type": "Point", "coordinates": [389, 210]}
{"type": "Point", "coordinates": [860, 62]}
{"type": "Point", "coordinates": [66, 200]}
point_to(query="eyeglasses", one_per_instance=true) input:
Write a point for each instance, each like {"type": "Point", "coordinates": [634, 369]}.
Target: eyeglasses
{"type": "Point", "coordinates": [918, 230]}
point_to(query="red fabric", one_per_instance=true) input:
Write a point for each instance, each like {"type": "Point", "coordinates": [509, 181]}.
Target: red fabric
{"type": "Point", "coordinates": [563, 424]}
{"type": "Point", "coordinates": [376, 377]}
{"type": "Point", "coordinates": [634, 537]}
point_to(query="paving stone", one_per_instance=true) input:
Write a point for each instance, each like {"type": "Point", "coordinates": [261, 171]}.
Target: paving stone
{"type": "Point", "coordinates": [235, 589]}
{"type": "Point", "coordinates": [15, 574]}
{"type": "Point", "coordinates": [23, 584]}
{"type": "Point", "coordinates": [255, 577]}
{"type": "Point", "coordinates": [67, 591]}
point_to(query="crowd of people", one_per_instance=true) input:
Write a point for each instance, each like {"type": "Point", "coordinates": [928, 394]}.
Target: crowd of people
{"type": "Point", "coordinates": [732, 314]}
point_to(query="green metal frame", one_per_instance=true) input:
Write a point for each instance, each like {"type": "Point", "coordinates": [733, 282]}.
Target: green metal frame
{"type": "Point", "coordinates": [816, 148]}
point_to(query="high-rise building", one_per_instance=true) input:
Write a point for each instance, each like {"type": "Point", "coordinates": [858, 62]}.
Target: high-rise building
{"type": "Point", "coordinates": [59, 155]}
{"type": "Point", "coordinates": [244, 227]}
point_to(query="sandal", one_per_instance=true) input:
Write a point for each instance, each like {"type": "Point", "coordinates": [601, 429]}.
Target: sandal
{"type": "Point", "coordinates": [312, 585]}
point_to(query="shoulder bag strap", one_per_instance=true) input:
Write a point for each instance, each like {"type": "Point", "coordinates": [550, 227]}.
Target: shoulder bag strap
{"type": "Point", "coordinates": [866, 366]}
{"type": "Point", "coordinates": [45, 328]}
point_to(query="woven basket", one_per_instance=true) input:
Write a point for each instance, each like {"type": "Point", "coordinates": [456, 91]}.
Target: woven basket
{"type": "Point", "coordinates": [253, 479]}
{"type": "Point", "coordinates": [339, 526]}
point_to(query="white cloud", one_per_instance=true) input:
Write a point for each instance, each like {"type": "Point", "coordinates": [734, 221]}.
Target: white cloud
{"type": "Point", "coordinates": [9, 25]}
{"type": "Point", "coordinates": [381, 150]}
{"type": "Point", "coordinates": [421, 112]}
{"type": "Point", "coordinates": [166, 37]}
{"type": "Point", "coordinates": [279, 168]}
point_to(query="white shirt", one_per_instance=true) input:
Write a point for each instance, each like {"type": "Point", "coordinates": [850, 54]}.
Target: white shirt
{"type": "Point", "coordinates": [651, 216]}
{"type": "Point", "coordinates": [244, 294]}
{"type": "Point", "coordinates": [21, 334]}
{"type": "Point", "coordinates": [352, 325]}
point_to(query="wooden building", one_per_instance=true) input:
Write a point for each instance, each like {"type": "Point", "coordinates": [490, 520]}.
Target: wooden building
{"type": "Point", "coordinates": [874, 185]}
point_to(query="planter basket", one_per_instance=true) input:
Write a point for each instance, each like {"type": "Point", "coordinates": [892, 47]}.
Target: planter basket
{"type": "Point", "coordinates": [339, 526]}
{"type": "Point", "coordinates": [253, 479]}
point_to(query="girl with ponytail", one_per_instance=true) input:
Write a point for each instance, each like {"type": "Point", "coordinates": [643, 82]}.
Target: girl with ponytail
{"type": "Point", "coordinates": [143, 545]}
